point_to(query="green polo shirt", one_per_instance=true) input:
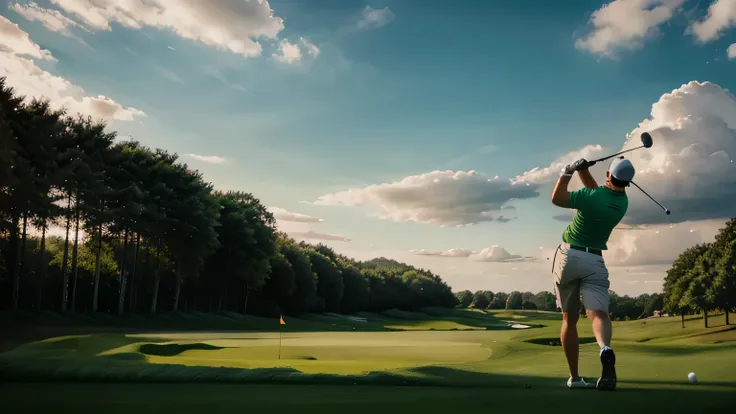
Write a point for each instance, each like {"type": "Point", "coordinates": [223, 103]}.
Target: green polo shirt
{"type": "Point", "coordinates": [599, 210]}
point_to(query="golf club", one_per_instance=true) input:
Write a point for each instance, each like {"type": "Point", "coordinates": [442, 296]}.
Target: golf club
{"type": "Point", "coordinates": [646, 142]}
{"type": "Point", "coordinates": [666, 210]}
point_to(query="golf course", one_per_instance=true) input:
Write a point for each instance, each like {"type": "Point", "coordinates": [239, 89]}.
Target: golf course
{"type": "Point", "coordinates": [395, 361]}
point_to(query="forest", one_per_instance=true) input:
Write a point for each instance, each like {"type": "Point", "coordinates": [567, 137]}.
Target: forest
{"type": "Point", "coordinates": [145, 233]}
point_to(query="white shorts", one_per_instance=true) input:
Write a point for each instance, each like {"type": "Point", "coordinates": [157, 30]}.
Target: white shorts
{"type": "Point", "coordinates": [577, 273]}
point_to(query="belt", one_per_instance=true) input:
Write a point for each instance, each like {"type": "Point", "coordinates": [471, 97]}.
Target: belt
{"type": "Point", "coordinates": [587, 249]}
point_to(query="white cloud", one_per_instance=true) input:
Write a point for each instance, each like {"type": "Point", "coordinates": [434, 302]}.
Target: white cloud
{"type": "Point", "coordinates": [731, 51]}
{"type": "Point", "coordinates": [375, 18]}
{"type": "Point", "coordinates": [232, 25]}
{"type": "Point", "coordinates": [210, 159]}
{"type": "Point", "coordinates": [311, 235]}
{"type": "Point", "coordinates": [283, 215]}
{"type": "Point", "coordinates": [288, 52]}
{"type": "Point", "coordinates": [497, 253]}
{"type": "Point", "coordinates": [438, 197]}
{"type": "Point", "coordinates": [493, 253]}
{"type": "Point", "coordinates": [658, 244]}
{"type": "Point", "coordinates": [32, 81]}
{"type": "Point", "coordinates": [721, 17]}
{"type": "Point", "coordinates": [626, 24]}
{"type": "Point", "coordinates": [52, 19]}
{"type": "Point", "coordinates": [444, 253]}
{"type": "Point", "coordinates": [292, 53]}
{"type": "Point", "coordinates": [311, 49]}
{"type": "Point", "coordinates": [16, 41]}
{"type": "Point", "coordinates": [690, 169]}
{"type": "Point", "coordinates": [550, 174]}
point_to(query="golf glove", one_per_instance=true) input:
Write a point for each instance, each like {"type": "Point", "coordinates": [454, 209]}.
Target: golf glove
{"type": "Point", "coordinates": [579, 165]}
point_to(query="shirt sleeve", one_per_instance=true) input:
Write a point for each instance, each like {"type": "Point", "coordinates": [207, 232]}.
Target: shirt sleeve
{"type": "Point", "coordinates": [579, 199]}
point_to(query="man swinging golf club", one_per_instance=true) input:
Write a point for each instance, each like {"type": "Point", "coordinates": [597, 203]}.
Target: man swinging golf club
{"type": "Point", "coordinates": [578, 266]}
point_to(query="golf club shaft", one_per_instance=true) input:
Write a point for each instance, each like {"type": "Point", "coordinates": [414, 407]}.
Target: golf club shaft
{"type": "Point", "coordinates": [666, 210]}
{"type": "Point", "coordinates": [618, 153]}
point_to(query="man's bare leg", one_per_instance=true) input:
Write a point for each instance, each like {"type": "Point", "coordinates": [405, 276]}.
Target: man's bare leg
{"type": "Point", "coordinates": [602, 327]}
{"type": "Point", "coordinates": [570, 341]}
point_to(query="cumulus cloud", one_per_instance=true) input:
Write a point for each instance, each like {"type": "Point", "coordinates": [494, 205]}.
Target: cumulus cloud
{"type": "Point", "coordinates": [497, 253]}
{"type": "Point", "coordinates": [626, 25]}
{"type": "Point", "coordinates": [210, 159]}
{"type": "Point", "coordinates": [690, 169]}
{"type": "Point", "coordinates": [231, 25]}
{"type": "Point", "coordinates": [28, 79]}
{"type": "Point", "coordinates": [15, 41]}
{"type": "Point", "coordinates": [438, 197]}
{"type": "Point", "coordinates": [444, 253]}
{"type": "Point", "coordinates": [292, 53]}
{"type": "Point", "coordinates": [283, 215]}
{"type": "Point", "coordinates": [547, 175]}
{"type": "Point", "coordinates": [658, 244]}
{"type": "Point", "coordinates": [312, 235]}
{"type": "Point", "coordinates": [721, 17]}
{"type": "Point", "coordinates": [288, 52]}
{"type": "Point", "coordinates": [51, 19]}
{"type": "Point", "coordinates": [493, 253]}
{"type": "Point", "coordinates": [375, 18]}
{"type": "Point", "coordinates": [731, 51]}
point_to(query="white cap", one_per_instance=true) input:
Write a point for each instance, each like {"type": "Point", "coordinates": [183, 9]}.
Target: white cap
{"type": "Point", "coordinates": [622, 169]}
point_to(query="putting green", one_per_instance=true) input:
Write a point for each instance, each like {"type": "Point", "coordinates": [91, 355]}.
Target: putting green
{"type": "Point", "coordinates": [329, 353]}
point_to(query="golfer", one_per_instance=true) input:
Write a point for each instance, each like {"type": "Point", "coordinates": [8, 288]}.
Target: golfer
{"type": "Point", "coordinates": [578, 266]}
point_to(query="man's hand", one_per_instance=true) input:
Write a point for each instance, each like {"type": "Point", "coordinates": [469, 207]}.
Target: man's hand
{"type": "Point", "coordinates": [579, 165]}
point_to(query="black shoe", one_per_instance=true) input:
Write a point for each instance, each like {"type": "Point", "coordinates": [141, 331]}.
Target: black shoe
{"type": "Point", "coordinates": [607, 381]}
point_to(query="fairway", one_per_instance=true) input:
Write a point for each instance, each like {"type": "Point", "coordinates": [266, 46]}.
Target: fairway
{"type": "Point", "coordinates": [489, 364]}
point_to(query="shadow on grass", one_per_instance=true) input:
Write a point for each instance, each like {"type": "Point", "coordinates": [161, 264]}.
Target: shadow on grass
{"type": "Point", "coordinates": [556, 341]}
{"type": "Point", "coordinates": [175, 349]}
{"type": "Point", "coordinates": [517, 394]}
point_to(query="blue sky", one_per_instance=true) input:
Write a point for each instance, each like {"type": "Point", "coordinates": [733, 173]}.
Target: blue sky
{"type": "Point", "coordinates": [398, 89]}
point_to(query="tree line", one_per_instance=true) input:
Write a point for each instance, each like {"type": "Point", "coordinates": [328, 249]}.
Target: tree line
{"type": "Point", "coordinates": [703, 278]}
{"type": "Point", "coordinates": [142, 232]}
{"type": "Point", "coordinates": [621, 307]}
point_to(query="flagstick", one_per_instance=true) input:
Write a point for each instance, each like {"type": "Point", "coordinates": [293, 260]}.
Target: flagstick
{"type": "Point", "coordinates": [279, 342]}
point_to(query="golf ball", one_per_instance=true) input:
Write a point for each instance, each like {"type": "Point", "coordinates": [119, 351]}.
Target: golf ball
{"type": "Point", "coordinates": [692, 378]}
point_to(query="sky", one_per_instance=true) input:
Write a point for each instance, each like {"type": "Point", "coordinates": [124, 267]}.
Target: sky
{"type": "Point", "coordinates": [430, 132]}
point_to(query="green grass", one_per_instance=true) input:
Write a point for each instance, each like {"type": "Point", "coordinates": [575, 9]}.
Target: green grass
{"type": "Point", "coordinates": [394, 362]}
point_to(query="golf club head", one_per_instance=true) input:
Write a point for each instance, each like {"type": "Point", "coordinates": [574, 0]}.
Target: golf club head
{"type": "Point", "coordinates": [646, 140]}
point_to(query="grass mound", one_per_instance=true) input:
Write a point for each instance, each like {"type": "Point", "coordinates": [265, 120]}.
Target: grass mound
{"type": "Point", "coordinates": [175, 349]}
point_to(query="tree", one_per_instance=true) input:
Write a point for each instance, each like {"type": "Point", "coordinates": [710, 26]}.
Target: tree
{"type": "Point", "coordinates": [356, 290]}
{"type": "Point", "coordinates": [527, 301]}
{"type": "Point", "coordinates": [702, 277]}
{"type": "Point", "coordinates": [329, 280]}
{"type": "Point", "coordinates": [514, 300]}
{"type": "Point", "coordinates": [678, 280]}
{"type": "Point", "coordinates": [654, 303]}
{"type": "Point", "coordinates": [723, 290]}
{"type": "Point", "coordinates": [464, 298]}
{"type": "Point", "coordinates": [545, 301]}
{"type": "Point", "coordinates": [190, 234]}
{"type": "Point", "coordinates": [482, 299]}
{"type": "Point", "coordinates": [499, 300]}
